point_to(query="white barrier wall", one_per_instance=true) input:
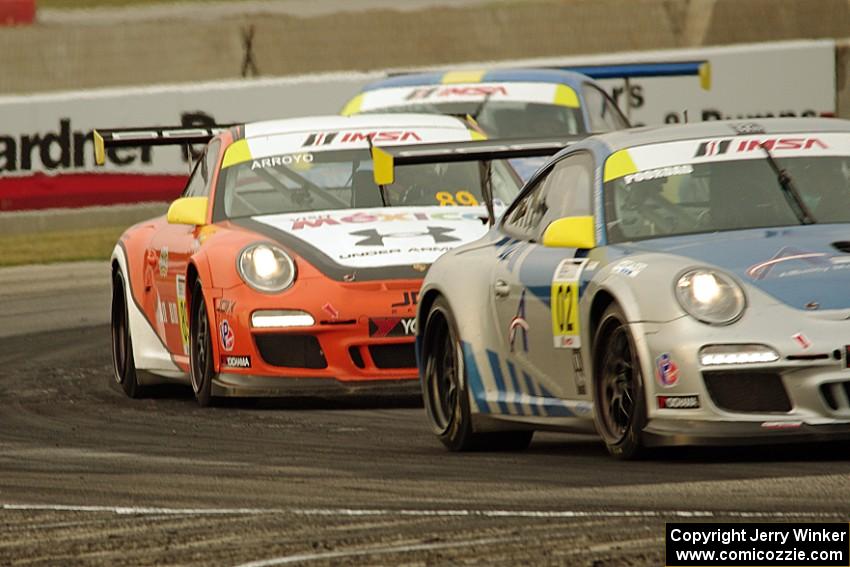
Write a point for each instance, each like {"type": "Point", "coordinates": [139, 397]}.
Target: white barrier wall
{"type": "Point", "coordinates": [795, 78]}
{"type": "Point", "coordinates": [45, 147]}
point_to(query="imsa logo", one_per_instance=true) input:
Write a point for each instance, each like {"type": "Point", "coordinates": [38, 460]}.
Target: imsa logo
{"type": "Point", "coordinates": [713, 148]}
{"type": "Point", "coordinates": [459, 91]}
{"type": "Point", "coordinates": [327, 138]}
{"type": "Point", "coordinates": [720, 147]}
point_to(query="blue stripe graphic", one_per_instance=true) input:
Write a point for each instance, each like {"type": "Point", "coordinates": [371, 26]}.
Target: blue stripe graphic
{"type": "Point", "coordinates": [554, 406]}
{"type": "Point", "coordinates": [532, 391]}
{"type": "Point", "coordinates": [517, 392]}
{"type": "Point", "coordinates": [473, 378]}
{"type": "Point", "coordinates": [496, 368]}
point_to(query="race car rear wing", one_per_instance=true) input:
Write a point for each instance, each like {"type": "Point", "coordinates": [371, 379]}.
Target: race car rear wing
{"type": "Point", "coordinates": [701, 69]}
{"type": "Point", "coordinates": [386, 158]}
{"type": "Point", "coordinates": [154, 136]}
{"type": "Point", "coordinates": [626, 71]}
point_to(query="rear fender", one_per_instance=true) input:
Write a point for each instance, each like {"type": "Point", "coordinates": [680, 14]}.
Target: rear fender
{"type": "Point", "coordinates": [149, 352]}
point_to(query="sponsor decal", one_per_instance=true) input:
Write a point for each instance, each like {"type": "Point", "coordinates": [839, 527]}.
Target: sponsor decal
{"type": "Point", "coordinates": [371, 237]}
{"type": "Point", "coordinates": [666, 371]}
{"type": "Point", "coordinates": [713, 148]}
{"type": "Point", "coordinates": [236, 361]}
{"type": "Point", "coordinates": [719, 147]}
{"type": "Point", "coordinates": [566, 329]}
{"type": "Point", "coordinates": [285, 160]}
{"type": "Point", "coordinates": [330, 310]}
{"type": "Point", "coordinates": [380, 327]}
{"type": "Point", "coordinates": [366, 218]}
{"type": "Point", "coordinates": [161, 311]}
{"type": "Point", "coordinates": [166, 312]}
{"type": "Point", "coordinates": [628, 268]}
{"type": "Point", "coordinates": [584, 408]}
{"type": "Point", "coordinates": [227, 336]}
{"type": "Point", "coordinates": [748, 128]}
{"type": "Point", "coordinates": [163, 262]}
{"type": "Point", "coordinates": [678, 402]}
{"type": "Point", "coordinates": [464, 91]}
{"type": "Point", "coordinates": [660, 173]}
{"type": "Point", "coordinates": [182, 314]}
{"type": "Point", "coordinates": [225, 306]}
{"type": "Point", "coordinates": [409, 299]}
{"type": "Point", "coordinates": [779, 144]}
{"type": "Point", "coordinates": [63, 149]}
{"type": "Point", "coordinates": [802, 340]}
{"type": "Point", "coordinates": [782, 424]}
{"type": "Point", "coordinates": [389, 237]}
{"type": "Point", "coordinates": [327, 138]}
{"type": "Point", "coordinates": [519, 325]}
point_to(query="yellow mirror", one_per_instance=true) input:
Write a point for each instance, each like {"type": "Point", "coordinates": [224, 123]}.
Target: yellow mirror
{"type": "Point", "coordinates": [570, 232]}
{"type": "Point", "coordinates": [188, 210]}
{"type": "Point", "coordinates": [383, 164]}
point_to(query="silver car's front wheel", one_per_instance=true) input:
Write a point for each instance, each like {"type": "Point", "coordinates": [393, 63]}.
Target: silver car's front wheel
{"type": "Point", "coordinates": [620, 410]}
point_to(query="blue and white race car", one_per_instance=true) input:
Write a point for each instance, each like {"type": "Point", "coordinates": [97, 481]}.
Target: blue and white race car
{"type": "Point", "coordinates": [505, 103]}
{"type": "Point", "coordinates": [662, 286]}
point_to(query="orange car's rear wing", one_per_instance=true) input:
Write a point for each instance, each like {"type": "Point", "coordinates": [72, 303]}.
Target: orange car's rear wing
{"type": "Point", "coordinates": [154, 136]}
{"type": "Point", "coordinates": [386, 158]}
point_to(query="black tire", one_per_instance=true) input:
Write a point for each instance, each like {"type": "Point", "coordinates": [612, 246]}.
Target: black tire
{"type": "Point", "coordinates": [123, 363]}
{"type": "Point", "coordinates": [445, 392]}
{"type": "Point", "coordinates": [618, 387]}
{"type": "Point", "coordinates": [201, 367]}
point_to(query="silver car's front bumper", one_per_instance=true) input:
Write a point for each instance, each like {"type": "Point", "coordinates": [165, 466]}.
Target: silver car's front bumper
{"type": "Point", "coordinates": [805, 393]}
{"type": "Point", "coordinates": [668, 433]}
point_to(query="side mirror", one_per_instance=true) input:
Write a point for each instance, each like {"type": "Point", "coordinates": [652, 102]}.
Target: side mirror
{"type": "Point", "coordinates": [570, 232]}
{"type": "Point", "coordinates": [188, 210]}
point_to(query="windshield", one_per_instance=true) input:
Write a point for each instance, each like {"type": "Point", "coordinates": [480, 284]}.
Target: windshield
{"type": "Point", "coordinates": [724, 195]}
{"type": "Point", "coordinates": [508, 119]}
{"type": "Point", "coordinates": [343, 179]}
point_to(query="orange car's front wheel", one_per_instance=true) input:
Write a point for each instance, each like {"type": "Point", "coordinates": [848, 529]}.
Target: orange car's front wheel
{"type": "Point", "coordinates": [201, 351]}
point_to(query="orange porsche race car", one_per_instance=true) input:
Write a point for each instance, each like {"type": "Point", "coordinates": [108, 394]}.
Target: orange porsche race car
{"type": "Point", "coordinates": [292, 262]}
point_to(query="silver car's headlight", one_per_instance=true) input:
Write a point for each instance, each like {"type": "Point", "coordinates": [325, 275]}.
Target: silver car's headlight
{"type": "Point", "coordinates": [710, 296]}
{"type": "Point", "coordinates": [265, 267]}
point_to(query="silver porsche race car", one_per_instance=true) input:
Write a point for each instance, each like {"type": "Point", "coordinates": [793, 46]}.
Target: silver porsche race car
{"type": "Point", "coordinates": [664, 286]}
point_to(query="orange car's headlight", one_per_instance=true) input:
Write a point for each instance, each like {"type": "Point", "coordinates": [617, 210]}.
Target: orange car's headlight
{"type": "Point", "coordinates": [266, 268]}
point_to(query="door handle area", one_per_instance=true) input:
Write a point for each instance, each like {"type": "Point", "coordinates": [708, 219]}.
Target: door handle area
{"type": "Point", "coordinates": [501, 288]}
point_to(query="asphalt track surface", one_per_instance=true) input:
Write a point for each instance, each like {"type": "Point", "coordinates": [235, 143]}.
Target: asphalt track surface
{"type": "Point", "coordinates": [90, 477]}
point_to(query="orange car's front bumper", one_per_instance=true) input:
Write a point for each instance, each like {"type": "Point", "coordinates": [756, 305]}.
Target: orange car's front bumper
{"type": "Point", "coordinates": [361, 339]}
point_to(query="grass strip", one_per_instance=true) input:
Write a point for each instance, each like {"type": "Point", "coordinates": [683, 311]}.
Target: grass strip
{"type": "Point", "coordinates": [59, 246]}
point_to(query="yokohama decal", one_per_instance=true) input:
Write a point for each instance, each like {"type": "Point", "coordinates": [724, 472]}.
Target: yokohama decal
{"type": "Point", "coordinates": [392, 327]}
